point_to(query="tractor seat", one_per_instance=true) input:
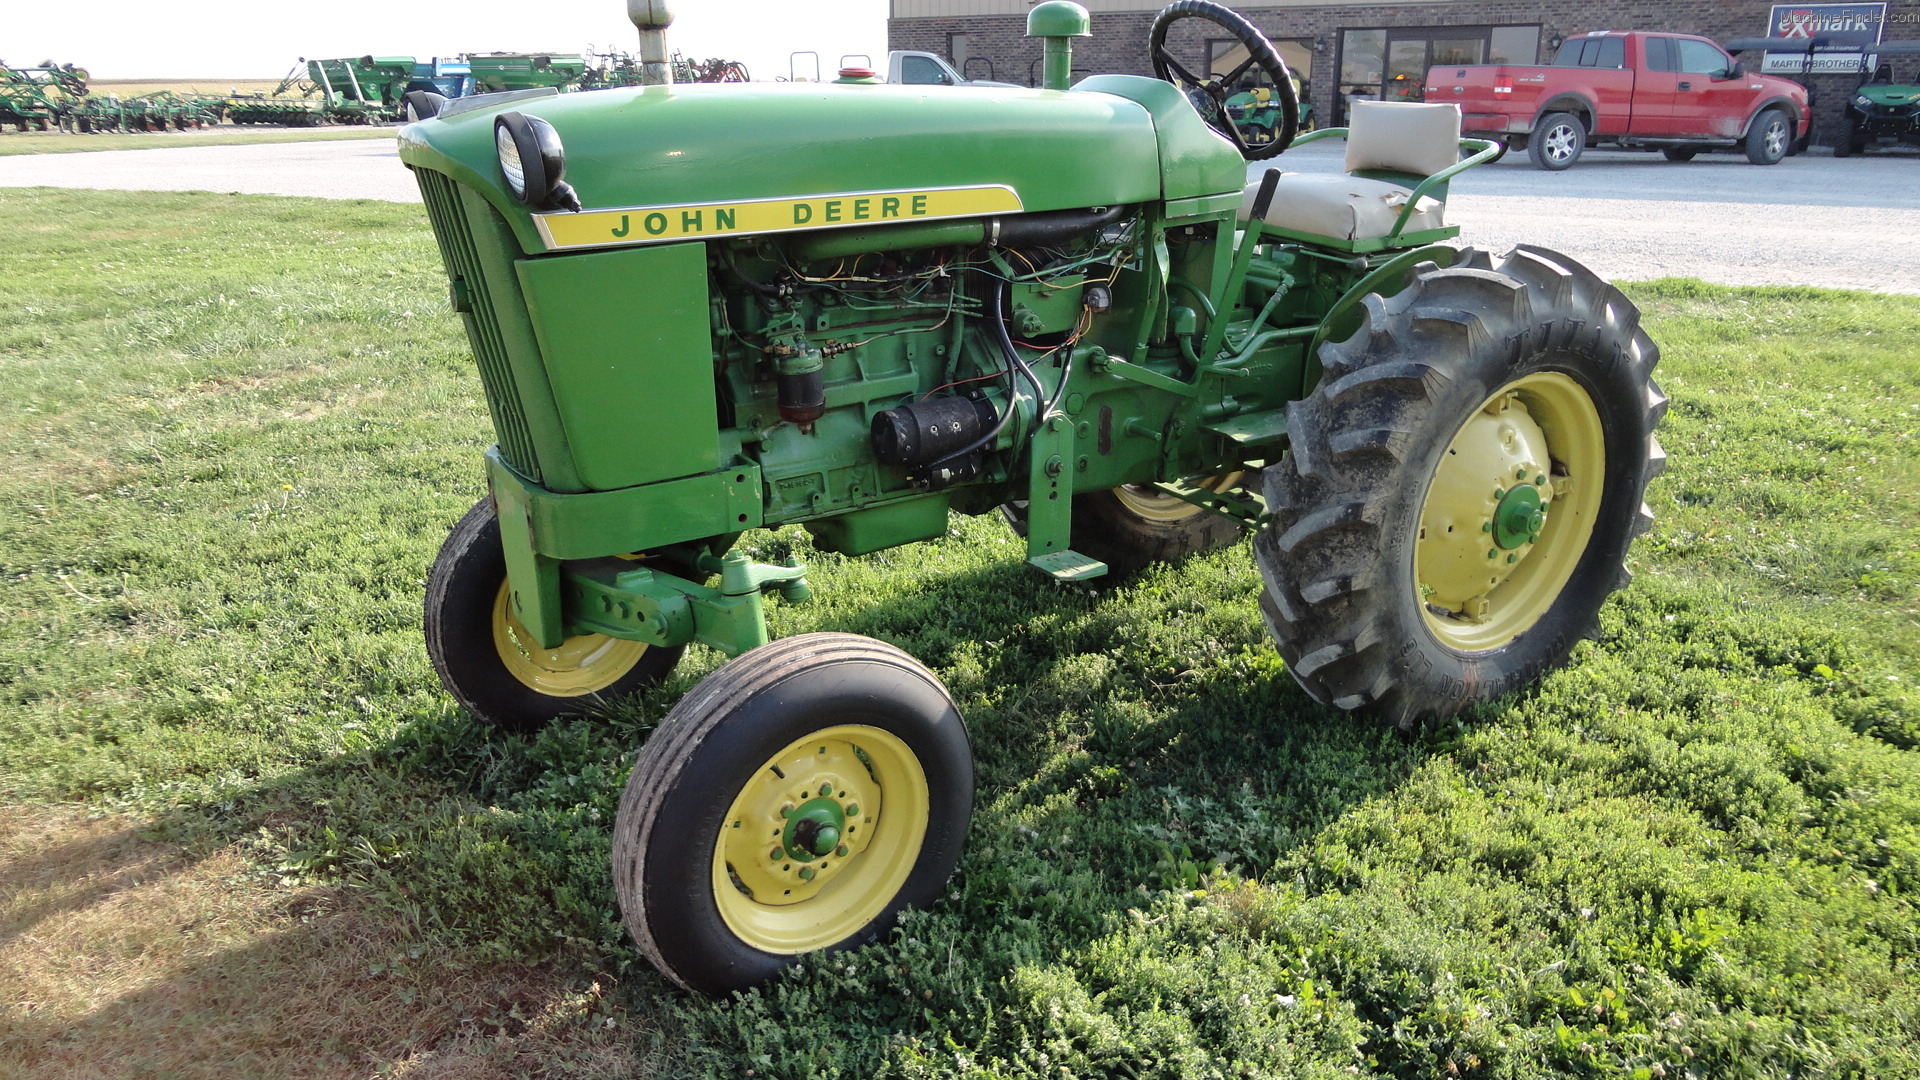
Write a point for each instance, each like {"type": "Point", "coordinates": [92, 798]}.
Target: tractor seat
{"type": "Point", "coordinates": [1391, 148]}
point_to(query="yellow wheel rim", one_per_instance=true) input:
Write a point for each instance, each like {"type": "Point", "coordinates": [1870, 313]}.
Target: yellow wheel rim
{"type": "Point", "coordinates": [579, 666]}
{"type": "Point", "coordinates": [1149, 502]}
{"type": "Point", "coordinates": [1509, 512]}
{"type": "Point", "coordinates": [783, 888]}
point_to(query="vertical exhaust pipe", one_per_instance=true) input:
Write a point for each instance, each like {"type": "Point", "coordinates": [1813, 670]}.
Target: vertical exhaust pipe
{"type": "Point", "coordinates": [651, 18]}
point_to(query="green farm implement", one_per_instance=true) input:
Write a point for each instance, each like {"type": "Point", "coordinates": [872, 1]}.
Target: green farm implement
{"type": "Point", "coordinates": [503, 72]}
{"type": "Point", "coordinates": [859, 308]}
{"type": "Point", "coordinates": [41, 98]}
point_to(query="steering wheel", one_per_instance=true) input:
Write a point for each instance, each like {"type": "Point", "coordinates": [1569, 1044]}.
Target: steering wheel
{"type": "Point", "coordinates": [1209, 95]}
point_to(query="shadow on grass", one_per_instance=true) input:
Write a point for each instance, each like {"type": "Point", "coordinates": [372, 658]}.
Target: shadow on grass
{"type": "Point", "coordinates": [154, 962]}
{"type": "Point", "coordinates": [1128, 741]}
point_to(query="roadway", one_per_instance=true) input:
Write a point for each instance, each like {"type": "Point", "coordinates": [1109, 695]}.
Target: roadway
{"type": "Point", "coordinates": [1849, 223]}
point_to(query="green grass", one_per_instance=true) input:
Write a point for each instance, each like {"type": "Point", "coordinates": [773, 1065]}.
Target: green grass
{"type": "Point", "coordinates": [54, 142]}
{"type": "Point", "coordinates": [237, 428]}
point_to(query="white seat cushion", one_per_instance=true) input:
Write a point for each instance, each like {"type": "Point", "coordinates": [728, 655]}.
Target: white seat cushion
{"type": "Point", "coordinates": [1342, 207]}
{"type": "Point", "coordinates": [1402, 136]}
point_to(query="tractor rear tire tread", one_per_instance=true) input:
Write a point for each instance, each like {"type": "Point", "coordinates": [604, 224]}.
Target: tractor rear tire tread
{"type": "Point", "coordinates": [1359, 459]}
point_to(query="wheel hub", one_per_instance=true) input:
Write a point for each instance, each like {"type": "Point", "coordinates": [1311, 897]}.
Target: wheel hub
{"type": "Point", "coordinates": [1509, 512]}
{"type": "Point", "coordinates": [1485, 510]}
{"type": "Point", "coordinates": [815, 828]}
{"type": "Point", "coordinates": [801, 823]}
{"type": "Point", "coordinates": [1521, 515]}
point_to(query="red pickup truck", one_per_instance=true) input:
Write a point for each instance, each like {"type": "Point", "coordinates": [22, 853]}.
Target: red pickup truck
{"type": "Point", "coordinates": [1668, 92]}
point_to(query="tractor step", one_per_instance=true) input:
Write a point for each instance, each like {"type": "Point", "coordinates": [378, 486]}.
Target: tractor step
{"type": "Point", "coordinates": [1069, 565]}
{"type": "Point", "coordinates": [1252, 429]}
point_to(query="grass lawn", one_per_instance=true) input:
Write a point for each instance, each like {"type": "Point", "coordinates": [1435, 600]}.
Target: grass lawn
{"type": "Point", "coordinates": [237, 428]}
{"type": "Point", "coordinates": [56, 142]}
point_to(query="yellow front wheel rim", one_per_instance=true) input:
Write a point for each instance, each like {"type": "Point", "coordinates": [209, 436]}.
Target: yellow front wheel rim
{"type": "Point", "coordinates": [579, 666]}
{"type": "Point", "coordinates": [785, 883]}
{"type": "Point", "coordinates": [1509, 512]}
{"type": "Point", "coordinates": [1149, 502]}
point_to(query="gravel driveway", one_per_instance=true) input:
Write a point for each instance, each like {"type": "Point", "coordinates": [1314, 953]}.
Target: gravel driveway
{"type": "Point", "coordinates": [1851, 224]}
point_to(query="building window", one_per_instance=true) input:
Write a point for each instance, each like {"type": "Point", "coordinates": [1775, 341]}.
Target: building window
{"type": "Point", "coordinates": [1391, 63]}
{"type": "Point", "coordinates": [957, 51]}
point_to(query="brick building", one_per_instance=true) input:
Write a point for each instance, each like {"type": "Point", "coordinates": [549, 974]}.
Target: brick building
{"type": "Point", "coordinates": [1363, 48]}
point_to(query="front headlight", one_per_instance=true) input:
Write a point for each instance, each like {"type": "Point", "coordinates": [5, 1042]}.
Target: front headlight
{"type": "Point", "coordinates": [532, 162]}
{"type": "Point", "coordinates": [1863, 102]}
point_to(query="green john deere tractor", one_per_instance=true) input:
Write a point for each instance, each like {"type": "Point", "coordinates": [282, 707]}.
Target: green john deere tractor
{"type": "Point", "coordinates": [1064, 304]}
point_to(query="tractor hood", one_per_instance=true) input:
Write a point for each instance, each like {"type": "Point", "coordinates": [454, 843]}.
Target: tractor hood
{"type": "Point", "coordinates": [663, 163]}
{"type": "Point", "coordinates": [1890, 94]}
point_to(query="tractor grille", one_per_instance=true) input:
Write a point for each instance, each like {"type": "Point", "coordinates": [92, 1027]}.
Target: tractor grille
{"type": "Point", "coordinates": [442, 197]}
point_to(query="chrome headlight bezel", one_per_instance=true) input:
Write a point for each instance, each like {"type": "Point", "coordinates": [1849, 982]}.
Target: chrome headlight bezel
{"type": "Point", "coordinates": [532, 162]}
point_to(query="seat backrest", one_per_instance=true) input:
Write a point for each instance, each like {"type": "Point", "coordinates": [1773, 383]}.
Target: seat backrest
{"type": "Point", "coordinates": [1402, 137]}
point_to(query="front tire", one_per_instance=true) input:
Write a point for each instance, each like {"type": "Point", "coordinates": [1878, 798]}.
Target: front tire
{"type": "Point", "coordinates": [485, 658]}
{"type": "Point", "coordinates": [1679, 153]}
{"type": "Point", "coordinates": [798, 799]}
{"type": "Point", "coordinates": [1557, 141]}
{"type": "Point", "coordinates": [1769, 139]}
{"type": "Point", "coordinates": [1461, 488]}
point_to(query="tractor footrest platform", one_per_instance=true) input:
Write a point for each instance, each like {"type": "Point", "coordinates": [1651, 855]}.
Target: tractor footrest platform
{"type": "Point", "coordinates": [1069, 565]}
{"type": "Point", "coordinates": [1252, 429]}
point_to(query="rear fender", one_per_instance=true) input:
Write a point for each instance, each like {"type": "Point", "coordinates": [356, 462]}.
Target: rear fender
{"type": "Point", "coordinates": [1577, 104]}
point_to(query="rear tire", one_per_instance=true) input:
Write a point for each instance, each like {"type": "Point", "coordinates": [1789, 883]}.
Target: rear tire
{"type": "Point", "coordinates": [1851, 142]}
{"type": "Point", "coordinates": [1679, 153]}
{"type": "Point", "coordinates": [1410, 571]}
{"type": "Point", "coordinates": [1769, 139]}
{"type": "Point", "coordinates": [481, 654]}
{"type": "Point", "coordinates": [1557, 141]}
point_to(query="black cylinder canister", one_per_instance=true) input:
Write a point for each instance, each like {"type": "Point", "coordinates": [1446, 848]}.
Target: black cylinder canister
{"type": "Point", "coordinates": [803, 397]}
{"type": "Point", "coordinates": [929, 430]}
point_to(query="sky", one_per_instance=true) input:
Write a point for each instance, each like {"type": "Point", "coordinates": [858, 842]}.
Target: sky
{"type": "Point", "coordinates": [262, 39]}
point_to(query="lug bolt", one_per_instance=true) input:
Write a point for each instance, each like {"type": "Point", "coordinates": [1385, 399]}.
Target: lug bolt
{"type": "Point", "coordinates": [841, 851]}
{"type": "Point", "coordinates": [1499, 493]}
{"type": "Point", "coordinates": [1520, 474]}
{"type": "Point", "coordinates": [777, 854]}
{"type": "Point", "coordinates": [786, 810]}
{"type": "Point", "coordinates": [1540, 481]}
{"type": "Point", "coordinates": [806, 873]}
{"type": "Point", "coordinates": [1493, 553]}
{"type": "Point", "coordinates": [853, 809]}
{"type": "Point", "coordinates": [1513, 557]}
{"type": "Point", "coordinates": [826, 789]}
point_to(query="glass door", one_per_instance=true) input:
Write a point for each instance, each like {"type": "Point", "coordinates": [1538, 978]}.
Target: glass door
{"type": "Point", "coordinates": [1406, 69]}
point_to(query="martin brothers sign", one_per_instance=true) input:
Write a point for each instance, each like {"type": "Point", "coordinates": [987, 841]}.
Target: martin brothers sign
{"type": "Point", "coordinates": [1839, 37]}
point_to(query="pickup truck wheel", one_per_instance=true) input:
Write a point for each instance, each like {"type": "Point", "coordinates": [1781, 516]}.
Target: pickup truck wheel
{"type": "Point", "coordinates": [1461, 488]}
{"type": "Point", "coordinates": [796, 800]}
{"type": "Point", "coordinates": [1679, 153]}
{"type": "Point", "coordinates": [482, 653]}
{"type": "Point", "coordinates": [1769, 138]}
{"type": "Point", "coordinates": [1557, 141]}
